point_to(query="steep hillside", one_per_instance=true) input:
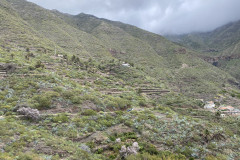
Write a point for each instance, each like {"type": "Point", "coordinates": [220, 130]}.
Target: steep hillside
{"type": "Point", "coordinates": [160, 58]}
{"type": "Point", "coordinates": [217, 40]}
{"type": "Point", "coordinates": [80, 87]}
{"type": "Point", "coordinates": [220, 47]}
{"type": "Point", "coordinates": [17, 33]}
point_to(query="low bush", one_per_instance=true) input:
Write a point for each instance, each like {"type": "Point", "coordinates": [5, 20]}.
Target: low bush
{"type": "Point", "coordinates": [43, 101]}
{"type": "Point", "coordinates": [89, 112]}
{"type": "Point", "coordinates": [76, 100]}
{"type": "Point", "coordinates": [149, 148]}
{"type": "Point", "coordinates": [28, 156]}
{"type": "Point", "coordinates": [142, 104]}
{"type": "Point", "coordinates": [60, 118]}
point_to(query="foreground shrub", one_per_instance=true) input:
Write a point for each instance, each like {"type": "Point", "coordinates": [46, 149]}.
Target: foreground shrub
{"type": "Point", "coordinates": [61, 118]}
{"type": "Point", "coordinates": [149, 148]}
{"type": "Point", "coordinates": [43, 101]}
{"type": "Point", "coordinates": [89, 112]}
{"type": "Point", "coordinates": [29, 113]}
{"type": "Point", "coordinates": [147, 156]}
{"type": "Point", "coordinates": [28, 156]}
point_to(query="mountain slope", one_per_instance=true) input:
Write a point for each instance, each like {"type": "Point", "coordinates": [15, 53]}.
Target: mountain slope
{"type": "Point", "coordinates": [217, 40]}
{"type": "Point", "coordinates": [108, 85]}
{"type": "Point", "coordinates": [221, 46]}
{"type": "Point", "coordinates": [159, 57]}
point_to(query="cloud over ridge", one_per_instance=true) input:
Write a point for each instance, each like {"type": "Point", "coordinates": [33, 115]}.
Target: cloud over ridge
{"type": "Point", "coordinates": [159, 16]}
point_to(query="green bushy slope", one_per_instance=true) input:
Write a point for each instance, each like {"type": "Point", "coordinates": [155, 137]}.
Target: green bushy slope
{"type": "Point", "coordinates": [159, 57]}
{"type": "Point", "coordinates": [87, 99]}
{"type": "Point", "coordinates": [219, 39]}
{"type": "Point", "coordinates": [223, 43]}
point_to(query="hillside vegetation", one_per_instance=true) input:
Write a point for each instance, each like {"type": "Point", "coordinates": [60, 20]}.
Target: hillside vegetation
{"type": "Point", "coordinates": [80, 87]}
{"type": "Point", "coordinates": [220, 46]}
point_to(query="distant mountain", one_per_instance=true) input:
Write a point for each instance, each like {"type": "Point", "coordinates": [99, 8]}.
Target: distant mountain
{"type": "Point", "coordinates": [219, 39]}
{"type": "Point", "coordinates": [82, 87]}
{"type": "Point", "coordinates": [159, 57]}
{"type": "Point", "coordinates": [88, 36]}
{"type": "Point", "coordinates": [221, 46]}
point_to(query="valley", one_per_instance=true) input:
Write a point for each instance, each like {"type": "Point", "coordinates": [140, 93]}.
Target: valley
{"type": "Point", "coordinates": [78, 87]}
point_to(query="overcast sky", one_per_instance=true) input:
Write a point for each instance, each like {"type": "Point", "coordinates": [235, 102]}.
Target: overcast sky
{"type": "Point", "coordinates": [159, 16]}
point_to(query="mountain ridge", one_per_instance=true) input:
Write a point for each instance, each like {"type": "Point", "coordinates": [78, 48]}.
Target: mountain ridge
{"type": "Point", "coordinates": [82, 87]}
{"type": "Point", "coordinates": [221, 46]}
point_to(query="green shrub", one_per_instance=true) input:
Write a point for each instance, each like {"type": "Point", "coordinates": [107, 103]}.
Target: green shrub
{"type": "Point", "coordinates": [68, 94]}
{"type": "Point", "coordinates": [149, 148]}
{"type": "Point", "coordinates": [162, 156]}
{"type": "Point", "coordinates": [165, 109]}
{"type": "Point", "coordinates": [76, 100]}
{"type": "Point", "coordinates": [43, 101]}
{"type": "Point", "coordinates": [118, 103]}
{"type": "Point", "coordinates": [39, 64]}
{"type": "Point", "coordinates": [58, 89]}
{"type": "Point", "coordinates": [105, 122]}
{"type": "Point", "coordinates": [99, 151]}
{"type": "Point", "coordinates": [142, 104]}
{"type": "Point", "coordinates": [212, 146]}
{"type": "Point", "coordinates": [129, 135]}
{"type": "Point", "coordinates": [218, 157]}
{"type": "Point", "coordinates": [128, 123]}
{"type": "Point", "coordinates": [60, 118]}
{"type": "Point", "coordinates": [28, 156]}
{"type": "Point", "coordinates": [52, 94]}
{"type": "Point", "coordinates": [112, 138]}
{"type": "Point", "coordinates": [90, 129]}
{"type": "Point", "coordinates": [187, 152]}
{"type": "Point", "coordinates": [89, 112]}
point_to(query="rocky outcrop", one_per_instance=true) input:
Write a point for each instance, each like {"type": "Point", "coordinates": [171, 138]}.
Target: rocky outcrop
{"type": "Point", "coordinates": [8, 67]}
{"type": "Point", "coordinates": [215, 60]}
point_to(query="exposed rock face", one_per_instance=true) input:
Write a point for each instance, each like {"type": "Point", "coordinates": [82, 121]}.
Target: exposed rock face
{"type": "Point", "coordinates": [214, 60]}
{"type": "Point", "coordinates": [29, 113]}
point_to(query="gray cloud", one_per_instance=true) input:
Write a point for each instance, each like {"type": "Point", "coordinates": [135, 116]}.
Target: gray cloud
{"type": "Point", "coordinates": [159, 16]}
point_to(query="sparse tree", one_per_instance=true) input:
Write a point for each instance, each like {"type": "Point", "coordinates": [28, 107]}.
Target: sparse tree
{"type": "Point", "coordinates": [27, 49]}
{"type": "Point", "coordinates": [39, 64]}
{"type": "Point", "coordinates": [12, 56]}
{"type": "Point", "coordinates": [27, 57]}
{"type": "Point", "coordinates": [73, 58]}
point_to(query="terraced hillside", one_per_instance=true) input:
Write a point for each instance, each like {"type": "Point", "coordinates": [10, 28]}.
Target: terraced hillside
{"type": "Point", "coordinates": [160, 58]}
{"type": "Point", "coordinates": [80, 87]}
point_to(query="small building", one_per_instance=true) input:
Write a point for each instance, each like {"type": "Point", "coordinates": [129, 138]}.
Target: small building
{"type": "Point", "coordinates": [226, 108]}
{"type": "Point", "coordinates": [126, 65]}
{"type": "Point", "coordinates": [209, 105]}
{"type": "Point", "coordinates": [222, 115]}
{"type": "Point", "coordinates": [236, 110]}
{"type": "Point", "coordinates": [60, 55]}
